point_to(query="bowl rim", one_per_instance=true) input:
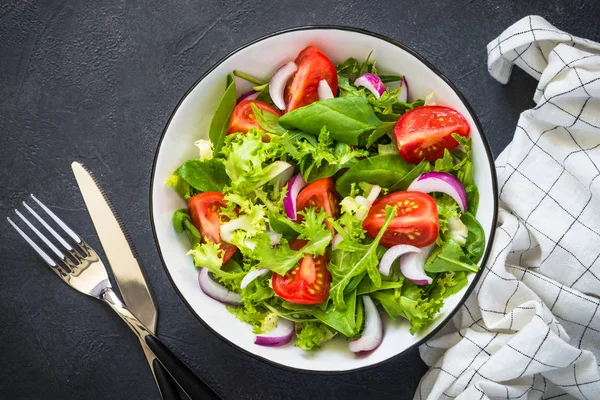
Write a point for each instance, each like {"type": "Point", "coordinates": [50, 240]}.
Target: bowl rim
{"type": "Point", "coordinates": [486, 146]}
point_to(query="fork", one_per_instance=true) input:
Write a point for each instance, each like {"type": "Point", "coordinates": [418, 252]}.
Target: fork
{"type": "Point", "coordinates": [85, 272]}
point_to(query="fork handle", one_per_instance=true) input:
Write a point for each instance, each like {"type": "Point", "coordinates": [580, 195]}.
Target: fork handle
{"type": "Point", "coordinates": [188, 381]}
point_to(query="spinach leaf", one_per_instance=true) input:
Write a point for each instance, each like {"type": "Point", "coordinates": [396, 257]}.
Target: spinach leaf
{"type": "Point", "coordinates": [342, 320]}
{"type": "Point", "coordinates": [346, 118]}
{"type": "Point", "coordinates": [282, 224]}
{"type": "Point", "coordinates": [410, 176]}
{"type": "Point", "coordinates": [449, 257]}
{"type": "Point", "coordinates": [380, 131]}
{"type": "Point", "coordinates": [385, 171]}
{"type": "Point", "coordinates": [181, 187]}
{"type": "Point", "coordinates": [205, 176]}
{"type": "Point", "coordinates": [268, 121]}
{"type": "Point", "coordinates": [183, 223]}
{"type": "Point", "coordinates": [220, 121]}
{"type": "Point", "coordinates": [475, 239]}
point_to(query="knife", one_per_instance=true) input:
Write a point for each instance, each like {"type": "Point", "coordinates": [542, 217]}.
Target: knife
{"type": "Point", "coordinates": [133, 287]}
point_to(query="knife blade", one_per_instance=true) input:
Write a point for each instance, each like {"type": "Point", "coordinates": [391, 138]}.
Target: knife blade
{"type": "Point", "coordinates": [118, 248]}
{"type": "Point", "coordinates": [123, 261]}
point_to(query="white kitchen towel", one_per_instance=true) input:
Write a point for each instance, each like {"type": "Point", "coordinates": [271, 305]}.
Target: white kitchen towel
{"type": "Point", "coordinates": [531, 327]}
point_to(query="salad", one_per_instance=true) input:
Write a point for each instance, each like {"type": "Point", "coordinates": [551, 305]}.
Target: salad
{"type": "Point", "coordinates": [324, 198]}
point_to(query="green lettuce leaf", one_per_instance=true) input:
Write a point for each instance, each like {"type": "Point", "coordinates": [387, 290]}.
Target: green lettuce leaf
{"type": "Point", "coordinates": [409, 303]}
{"type": "Point", "coordinates": [311, 335]}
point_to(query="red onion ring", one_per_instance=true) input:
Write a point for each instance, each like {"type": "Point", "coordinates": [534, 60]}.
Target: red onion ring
{"type": "Point", "coordinates": [372, 332]}
{"type": "Point", "coordinates": [392, 255]}
{"type": "Point", "coordinates": [215, 291]}
{"type": "Point", "coordinates": [289, 202]}
{"type": "Point", "coordinates": [403, 95]}
{"type": "Point", "coordinates": [372, 83]}
{"type": "Point", "coordinates": [251, 95]}
{"type": "Point", "coordinates": [442, 182]}
{"type": "Point", "coordinates": [280, 335]}
{"type": "Point", "coordinates": [252, 275]}
{"type": "Point", "coordinates": [278, 82]}
{"type": "Point", "coordinates": [324, 90]}
{"type": "Point", "coordinates": [412, 266]}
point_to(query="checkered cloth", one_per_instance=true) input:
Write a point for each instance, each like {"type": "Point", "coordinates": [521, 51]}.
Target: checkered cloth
{"type": "Point", "coordinates": [531, 328]}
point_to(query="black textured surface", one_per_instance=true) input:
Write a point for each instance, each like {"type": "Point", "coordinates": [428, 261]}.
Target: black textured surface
{"type": "Point", "coordinates": [96, 83]}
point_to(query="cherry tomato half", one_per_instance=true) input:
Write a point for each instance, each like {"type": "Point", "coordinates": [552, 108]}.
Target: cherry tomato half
{"type": "Point", "coordinates": [415, 223]}
{"type": "Point", "coordinates": [424, 133]}
{"type": "Point", "coordinates": [320, 194]}
{"type": "Point", "coordinates": [307, 283]}
{"type": "Point", "coordinates": [302, 88]}
{"type": "Point", "coordinates": [243, 117]}
{"type": "Point", "coordinates": [204, 209]}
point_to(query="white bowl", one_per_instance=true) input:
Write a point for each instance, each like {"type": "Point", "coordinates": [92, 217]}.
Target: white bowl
{"type": "Point", "coordinates": [190, 121]}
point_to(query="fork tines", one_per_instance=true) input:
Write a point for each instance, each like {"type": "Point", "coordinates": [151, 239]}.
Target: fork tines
{"type": "Point", "coordinates": [65, 264]}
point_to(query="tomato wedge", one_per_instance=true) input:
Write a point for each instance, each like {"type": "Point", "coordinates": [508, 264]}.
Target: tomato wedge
{"type": "Point", "coordinates": [320, 194]}
{"type": "Point", "coordinates": [204, 209]}
{"type": "Point", "coordinates": [424, 133]}
{"type": "Point", "coordinates": [243, 118]}
{"type": "Point", "coordinates": [302, 88]}
{"type": "Point", "coordinates": [307, 283]}
{"type": "Point", "coordinates": [415, 223]}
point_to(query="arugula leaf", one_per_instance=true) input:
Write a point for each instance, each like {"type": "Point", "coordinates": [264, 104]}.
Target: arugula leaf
{"type": "Point", "coordinates": [384, 171]}
{"type": "Point", "coordinates": [204, 176]}
{"type": "Point", "coordinates": [387, 78]}
{"type": "Point", "coordinates": [367, 286]}
{"type": "Point", "coordinates": [268, 121]}
{"type": "Point", "coordinates": [444, 164]}
{"type": "Point", "coordinates": [220, 121]}
{"type": "Point", "coordinates": [346, 118]}
{"type": "Point", "coordinates": [183, 223]}
{"type": "Point", "coordinates": [342, 320]}
{"type": "Point", "coordinates": [465, 172]}
{"type": "Point", "coordinates": [311, 335]}
{"type": "Point", "coordinates": [475, 238]}
{"type": "Point", "coordinates": [181, 187]}
{"type": "Point", "coordinates": [361, 258]}
{"type": "Point", "coordinates": [449, 257]}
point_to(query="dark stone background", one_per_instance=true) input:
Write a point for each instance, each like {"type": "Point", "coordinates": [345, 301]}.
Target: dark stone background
{"type": "Point", "coordinates": [96, 82]}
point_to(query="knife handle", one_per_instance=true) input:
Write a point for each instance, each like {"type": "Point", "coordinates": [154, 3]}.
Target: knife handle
{"type": "Point", "coordinates": [166, 385]}
{"type": "Point", "coordinates": [187, 380]}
